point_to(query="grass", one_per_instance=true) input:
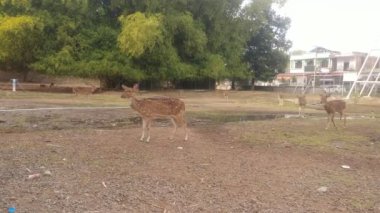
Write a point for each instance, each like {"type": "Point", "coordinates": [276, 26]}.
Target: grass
{"type": "Point", "coordinates": [356, 137]}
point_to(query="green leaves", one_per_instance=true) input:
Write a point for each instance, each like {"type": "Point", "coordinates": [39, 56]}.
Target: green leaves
{"type": "Point", "coordinates": [165, 40]}
{"type": "Point", "coordinates": [267, 47]}
{"type": "Point", "coordinates": [139, 33]}
{"type": "Point", "coordinates": [19, 40]}
{"type": "Point", "coordinates": [187, 34]}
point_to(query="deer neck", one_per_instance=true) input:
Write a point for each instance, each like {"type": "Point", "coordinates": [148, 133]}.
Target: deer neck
{"type": "Point", "coordinates": [135, 103]}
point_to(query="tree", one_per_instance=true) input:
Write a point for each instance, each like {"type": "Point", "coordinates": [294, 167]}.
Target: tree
{"type": "Point", "coordinates": [267, 47]}
{"type": "Point", "coordinates": [20, 41]}
{"type": "Point", "coordinates": [155, 40]}
{"type": "Point", "coordinates": [139, 33]}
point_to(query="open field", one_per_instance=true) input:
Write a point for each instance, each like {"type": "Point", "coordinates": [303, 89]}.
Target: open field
{"type": "Point", "coordinates": [245, 154]}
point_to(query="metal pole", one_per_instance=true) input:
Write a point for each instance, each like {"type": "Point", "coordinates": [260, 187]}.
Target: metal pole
{"type": "Point", "coordinates": [14, 82]}
{"type": "Point", "coordinates": [315, 67]}
{"type": "Point", "coordinates": [373, 86]}
{"type": "Point", "coordinates": [360, 71]}
{"type": "Point", "coordinates": [369, 75]}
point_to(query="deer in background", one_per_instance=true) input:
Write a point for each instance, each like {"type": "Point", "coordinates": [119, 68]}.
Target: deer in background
{"type": "Point", "coordinates": [84, 90]}
{"type": "Point", "coordinates": [331, 107]}
{"type": "Point", "coordinates": [280, 98]}
{"type": "Point", "coordinates": [134, 89]}
{"type": "Point", "coordinates": [301, 103]}
{"type": "Point", "coordinates": [157, 107]}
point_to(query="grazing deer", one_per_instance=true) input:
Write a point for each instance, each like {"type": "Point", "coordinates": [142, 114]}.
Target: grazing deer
{"type": "Point", "coordinates": [84, 90]}
{"type": "Point", "coordinates": [331, 107]}
{"type": "Point", "coordinates": [44, 85]}
{"type": "Point", "coordinates": [135, 88]}
{"type": "Point", "coordinates": [157, 107]}
{"type": "Point", "coordinates": [223, 92]}
{"type": "Point", "coordinates": [301, 103]}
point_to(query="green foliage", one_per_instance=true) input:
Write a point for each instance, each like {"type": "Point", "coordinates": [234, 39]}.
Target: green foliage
{"type": "Point", "coordinates": [19, 40]}
{"type": "Point", "coordinates": [188, 35]}
{"type": "Point", "coordinates": [267, 47]}
{"type": "Point", "coordinates": [139, 33]}
{"type": "Point", "coordinates": [19, 3]}
{"type": "Point", "coordinates": [158, 40]}
{"type": "Point", "coordinates": [215, 67]}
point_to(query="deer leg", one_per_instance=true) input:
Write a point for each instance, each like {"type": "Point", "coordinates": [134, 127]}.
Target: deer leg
{"type": "Point", "coordinates": [299, 111]}
{"type": "Point", "coordinates": [184, 123]}
{"type": "Point", "coordinates": [344, 114]}
{"type": "Point", "coordinates": [186, 132]}
{"type": "Point", "coordinates": [328, 120]}
{"type": "Point", "coordinates": [332, 119]}
{"type": "Point", "coordinates": [149, 122]}
{"type": "Point", "coordinates": [175, 128]}
{"type": "Point", "coordinates": [143, 129]}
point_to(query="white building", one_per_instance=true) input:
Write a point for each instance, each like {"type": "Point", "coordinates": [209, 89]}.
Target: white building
{"type": "Point", "coordinates": [325, 67]}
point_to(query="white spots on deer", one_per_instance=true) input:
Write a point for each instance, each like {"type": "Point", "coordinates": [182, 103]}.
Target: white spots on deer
{"type": "Point", "coordinates": [157, 107]}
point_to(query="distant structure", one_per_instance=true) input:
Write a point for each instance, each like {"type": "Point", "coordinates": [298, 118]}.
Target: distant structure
{"type": "Point", "coordinates": [330, 70]}
{"type": "Point", "coordinates": [368, 77]}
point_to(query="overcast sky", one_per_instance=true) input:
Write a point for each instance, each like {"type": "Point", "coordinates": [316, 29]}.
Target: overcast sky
{"type": "Point", "coordinates": [342, 25]}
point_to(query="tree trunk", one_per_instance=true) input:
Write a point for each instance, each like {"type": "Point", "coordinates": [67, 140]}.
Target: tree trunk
{"type": "Point", "coordinates": [253, 84]}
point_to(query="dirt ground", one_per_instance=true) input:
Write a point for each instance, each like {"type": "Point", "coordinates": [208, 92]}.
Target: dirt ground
{"type": "Point", "coordinates": [244, 154]}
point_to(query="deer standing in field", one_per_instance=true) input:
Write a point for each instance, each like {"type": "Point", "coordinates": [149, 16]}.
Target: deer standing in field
{"type": "Point", "coordinates": [331, 107]}
{"type": "Point", "coordinates": [157, 107]}
{"type": "Point", "coordinates": [301, 103]}
{"type": "Point", "coordinates": [280, 98]}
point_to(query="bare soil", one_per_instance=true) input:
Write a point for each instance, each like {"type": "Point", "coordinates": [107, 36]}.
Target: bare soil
{"type": "Point", "coordinates": [92, 160]}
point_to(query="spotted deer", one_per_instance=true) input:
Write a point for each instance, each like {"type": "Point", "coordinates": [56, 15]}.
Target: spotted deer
{"type": "Point", "coordinates": [157, 107]}
{"type": "Point", "coordinates": [331, 107]}
{"type": "Point", "coordinates": [301, 103]}
{"type": "Point", "coordinates": [84, 90]}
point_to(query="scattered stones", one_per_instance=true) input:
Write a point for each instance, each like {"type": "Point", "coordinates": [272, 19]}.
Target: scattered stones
{"type": "Point", "coordinates": [34, 176]}
{"type": "Point", "coordinates": [322, 189]}
{"type": "Point", "coordinates": [47, 173]}
{"type": "Point", "coordinates": [104, 184]}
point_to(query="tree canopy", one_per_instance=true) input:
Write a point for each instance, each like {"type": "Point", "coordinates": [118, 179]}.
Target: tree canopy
{"type": "Point", "coordinates": [161, 40]}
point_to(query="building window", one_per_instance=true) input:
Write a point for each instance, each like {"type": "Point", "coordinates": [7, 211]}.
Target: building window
{"type": "Point", "coordinates": [310, 66]}
{"type": "Point", "coordinates": [324, 63]}
{"type": "Point", "coordinates": [346, 66]}
{"type": "Point", "coordinates": [310, 62]}
{"type": "Point", "coordinates": [298, 64]}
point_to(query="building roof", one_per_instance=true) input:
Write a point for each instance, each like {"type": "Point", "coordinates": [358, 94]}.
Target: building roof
{"type": "Point", "coordinates": [323, 50]}
{"type": "Point", "coordinates": [350, 54]}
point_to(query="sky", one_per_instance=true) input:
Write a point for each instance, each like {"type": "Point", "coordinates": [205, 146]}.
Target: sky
{"type": "Point", "coordinates": [341, 25]}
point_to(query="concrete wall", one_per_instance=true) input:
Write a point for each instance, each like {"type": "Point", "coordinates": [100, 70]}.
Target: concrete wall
{"type": "Point", "coordinates": [352, 63]}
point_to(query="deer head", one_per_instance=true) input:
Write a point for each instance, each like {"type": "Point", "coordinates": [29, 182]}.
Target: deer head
{"type": "Point", "coordinates": [324, 97]}
{"type": "Point", "coordinates": [128, 92]}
